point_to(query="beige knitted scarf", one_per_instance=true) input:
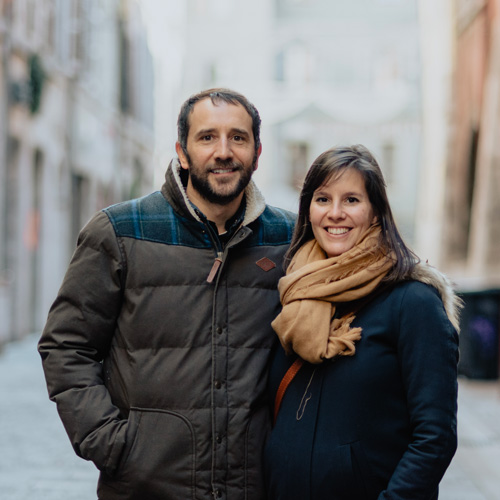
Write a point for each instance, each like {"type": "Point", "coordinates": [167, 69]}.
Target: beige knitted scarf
{"type": "Point", "coordinates": [312, 287]}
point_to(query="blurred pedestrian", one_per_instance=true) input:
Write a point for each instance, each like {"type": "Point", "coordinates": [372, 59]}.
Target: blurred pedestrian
{"type": "Point", "coordinates": [156, 348]}
{"type": "Point", "coordinates": [366, 400]}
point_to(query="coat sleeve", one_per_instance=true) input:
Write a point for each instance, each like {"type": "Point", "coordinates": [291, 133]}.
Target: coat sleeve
{"type": "Point", "coordinates": [75, 340]}
{"type": "Point", "coordinates": [428, 354]}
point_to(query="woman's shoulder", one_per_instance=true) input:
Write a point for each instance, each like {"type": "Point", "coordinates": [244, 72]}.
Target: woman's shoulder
{"type": "Point", "coordinates": [415, 297]}
{"type": "Point", "coordinates": [427, 284]}
{"type": "Point", "coordinates": [414, 288]}
{"type": "Point", "coordinates": [414, 294]}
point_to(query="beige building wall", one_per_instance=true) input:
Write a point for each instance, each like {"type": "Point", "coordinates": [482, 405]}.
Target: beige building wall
{"type": "Point", "coordinates": [436, 48]}
{"type": "Point", "coordinates": [471, 232]}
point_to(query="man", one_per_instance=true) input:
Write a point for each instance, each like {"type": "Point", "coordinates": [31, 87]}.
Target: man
{"type": "Point", "coordinates": [156, 347]}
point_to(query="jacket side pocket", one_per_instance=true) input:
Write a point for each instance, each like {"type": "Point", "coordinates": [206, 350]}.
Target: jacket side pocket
{"type": "Point", "coordinates": [159, 459]}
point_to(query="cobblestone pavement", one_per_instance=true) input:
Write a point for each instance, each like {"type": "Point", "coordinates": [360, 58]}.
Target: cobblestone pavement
{"type": "Point", "coordinates": [38, 463]}
{"type": "Point", "coordinates": [474, 473]}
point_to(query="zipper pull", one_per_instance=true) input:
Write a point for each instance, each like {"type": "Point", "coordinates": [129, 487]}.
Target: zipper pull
{"type": "Point", "coordinates": [215, 268]}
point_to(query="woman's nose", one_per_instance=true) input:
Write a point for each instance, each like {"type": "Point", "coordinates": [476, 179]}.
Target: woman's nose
{"type": "Point", "coordinates": [336, 211]}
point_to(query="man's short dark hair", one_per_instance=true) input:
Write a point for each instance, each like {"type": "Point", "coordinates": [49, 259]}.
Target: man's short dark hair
{"type": "Point", "coordinates": [216, 95]}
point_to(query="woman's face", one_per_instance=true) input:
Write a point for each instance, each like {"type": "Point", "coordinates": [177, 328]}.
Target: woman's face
{"type": "Point", "coordinates": [340, 212]}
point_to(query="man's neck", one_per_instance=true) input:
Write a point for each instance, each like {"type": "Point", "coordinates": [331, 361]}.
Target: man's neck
{"type": "Point", "coordinates": [218, 214]}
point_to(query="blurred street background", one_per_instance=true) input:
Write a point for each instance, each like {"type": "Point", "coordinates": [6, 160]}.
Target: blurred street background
{"type": "Point", "coordinates": [37, 461]}
{"type": "Point", "coordinates": [89, 96]}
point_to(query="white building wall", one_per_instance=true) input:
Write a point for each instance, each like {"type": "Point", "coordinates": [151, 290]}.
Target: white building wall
{"type": "Point", "coordinates": [322, 73]}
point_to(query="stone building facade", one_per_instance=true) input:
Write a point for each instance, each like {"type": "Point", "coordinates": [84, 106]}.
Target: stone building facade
{"type": "Point", "coordinates": [76, 134]}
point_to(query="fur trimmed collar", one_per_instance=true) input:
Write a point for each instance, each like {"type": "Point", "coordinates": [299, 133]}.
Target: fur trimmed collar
{"type": "Point", "coordinates": [429, 275]}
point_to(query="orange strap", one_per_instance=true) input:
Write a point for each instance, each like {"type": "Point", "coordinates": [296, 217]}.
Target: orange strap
{"type": "Point", "coordinates": [285, 382]}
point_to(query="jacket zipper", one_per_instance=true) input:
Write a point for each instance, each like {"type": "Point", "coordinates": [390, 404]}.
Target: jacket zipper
{"type": "Point", "coordinates": [218, 259]}
{"type": "Point", "coordinates": [215, 267]}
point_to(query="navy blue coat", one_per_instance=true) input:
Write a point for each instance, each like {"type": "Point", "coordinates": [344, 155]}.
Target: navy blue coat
{"type": "Point", "coordinates": [378, 425]}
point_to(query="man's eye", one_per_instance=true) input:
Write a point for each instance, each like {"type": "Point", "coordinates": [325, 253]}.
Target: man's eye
{"type": "Point", "coordinates": [206, 138]}
{"type": "Point", "coordinates": [238, 138]}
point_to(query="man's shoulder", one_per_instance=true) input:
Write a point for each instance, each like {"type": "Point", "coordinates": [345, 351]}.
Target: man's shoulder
{"type": "Point", "coordinates": [141, 216]}
{"type": "Point", "coordinates": [276, 226]}
{"type": "Point", "coordinates": [275, 214]}
{"type": "Point", "coordinates": [151, 203]}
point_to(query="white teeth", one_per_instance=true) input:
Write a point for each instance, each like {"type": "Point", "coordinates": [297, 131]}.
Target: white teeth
{"type": "Point", "coordinates": [222, 170]}
{"type": "Point", "coordinates": [337, 230]}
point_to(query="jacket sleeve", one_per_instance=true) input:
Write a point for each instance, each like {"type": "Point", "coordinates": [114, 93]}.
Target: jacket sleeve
{"type": "Point", "coordinates": [428, 353]}
{"type": "Point", "coordinates": [76, 338]}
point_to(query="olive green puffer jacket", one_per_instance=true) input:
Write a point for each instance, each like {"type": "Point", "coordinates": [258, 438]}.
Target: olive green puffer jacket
{"type": "Point", "coordinates": [159, 374]}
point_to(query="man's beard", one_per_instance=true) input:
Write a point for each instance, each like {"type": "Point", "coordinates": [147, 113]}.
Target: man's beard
{"type": "Point", "coordinates": [200, 180]}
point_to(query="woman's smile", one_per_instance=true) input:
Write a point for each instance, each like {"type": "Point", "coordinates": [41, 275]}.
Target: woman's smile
{"type": "Point", "coordinates": [340, 213]}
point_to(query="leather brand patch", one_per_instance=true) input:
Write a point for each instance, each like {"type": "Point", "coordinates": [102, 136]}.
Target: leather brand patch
{"type": "Point", "coordinates": [266, 264]}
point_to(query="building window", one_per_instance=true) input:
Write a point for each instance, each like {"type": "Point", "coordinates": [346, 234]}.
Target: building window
{"type": "Point", "coordinates": [32, 226]}
{"type": "Point", "coordinates": [297, 156]}
{"type": "Point", "coordinates": [137, 179]}
{"type": "Point", "coordinates": [212, 74]}
{"type": "Point", "coordinates": [80, 195]}
{"type": "Point", "coordinates": [287, 7]}
{"type": "Point", "coordinates": [10, 213]}
{"type": "Point", "coordinates": [32, 236]}
{"type": "Point", "coordinates": [6, 9]}
{"type": "Point", "coordinates": [104, 195]}
{"type": "Point", "coordinates": [30, 19]}
{"type": "Point", "coordinates": [50, 26]}
{"type": "Point", "coordinates": [294, 64]}
{"type": "Point", "coordinates": [125, 81]}
{"type": "Point", "coordinates": [79, 32]}
{"type": "Point", "coordinates": [471, 181]}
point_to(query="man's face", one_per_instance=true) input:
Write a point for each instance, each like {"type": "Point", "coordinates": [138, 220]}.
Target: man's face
{"type": "Point", "coordinates": [221, 156]}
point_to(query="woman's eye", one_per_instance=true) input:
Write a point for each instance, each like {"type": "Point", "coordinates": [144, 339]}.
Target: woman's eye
{"type": "Point", "coordinates": [321, 199]}
{"type": "Point", "coordinates": [352, 199]}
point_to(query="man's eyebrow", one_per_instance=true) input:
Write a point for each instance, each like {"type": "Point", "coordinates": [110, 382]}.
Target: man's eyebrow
{"type": "Point", "coordinates": [240, 131]}
{"type": "Point", "coordinates": [208, 131]}
{"type": "Point", "coordinates": [204, 131]}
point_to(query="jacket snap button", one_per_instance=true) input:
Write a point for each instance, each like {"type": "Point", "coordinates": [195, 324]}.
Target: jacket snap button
{"type": "Point", "coordinates": [218, 384]}
{"type": "Point", "coordinates": [219, 330]}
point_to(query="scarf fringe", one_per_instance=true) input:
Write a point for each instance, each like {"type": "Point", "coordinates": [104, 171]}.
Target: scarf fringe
{"type": "Point", "coordinates": [342, 337]}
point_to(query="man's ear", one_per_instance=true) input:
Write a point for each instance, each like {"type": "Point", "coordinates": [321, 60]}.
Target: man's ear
{"type": "Point", "coordinates": [182, 156]}
{"type": "Point", "coordinates": [259, 151]}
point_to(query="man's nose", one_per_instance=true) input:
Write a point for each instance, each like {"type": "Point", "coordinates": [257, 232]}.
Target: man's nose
{"type": "Point", "coordinates": [224, 151]}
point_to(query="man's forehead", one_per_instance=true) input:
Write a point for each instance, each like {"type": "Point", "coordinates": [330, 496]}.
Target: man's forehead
{"type": "Point", "coordinates": [206, 110]}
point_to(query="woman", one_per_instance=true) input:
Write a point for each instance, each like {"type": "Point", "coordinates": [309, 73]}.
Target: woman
{"type": "Point", "coordinates": [368, 407]}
